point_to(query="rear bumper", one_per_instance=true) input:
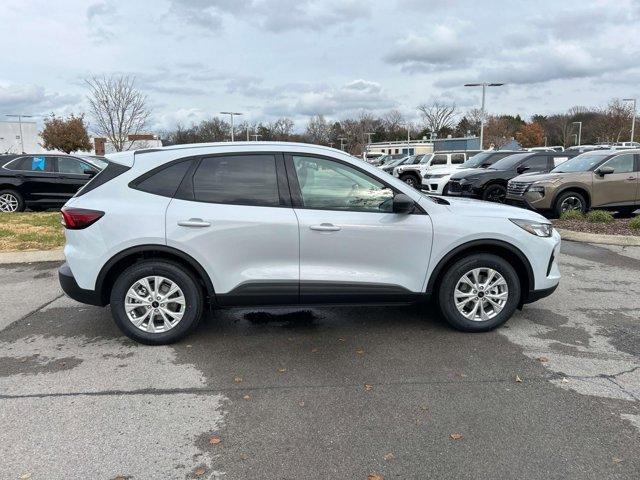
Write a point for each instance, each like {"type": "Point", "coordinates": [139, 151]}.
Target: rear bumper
{"type": "Point", "coordinates": [71, 288]}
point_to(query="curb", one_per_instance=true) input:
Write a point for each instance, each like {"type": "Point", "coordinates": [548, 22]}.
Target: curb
{"type": "Point", "coordinates": [622, 240]}
{"type": "Point", "coordinates": [10, 258]}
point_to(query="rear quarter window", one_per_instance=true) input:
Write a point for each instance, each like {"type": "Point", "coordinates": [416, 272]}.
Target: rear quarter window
{"type": "Point", "coordinates": [109, 173]}
{"type": "Point", "coordinates": [164, 181]}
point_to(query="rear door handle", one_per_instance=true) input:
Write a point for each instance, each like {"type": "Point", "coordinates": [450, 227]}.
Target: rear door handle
{"type": "Point", "coordinates": [326, 227]}
{"type": "Point", "coordinates": [194, 222]}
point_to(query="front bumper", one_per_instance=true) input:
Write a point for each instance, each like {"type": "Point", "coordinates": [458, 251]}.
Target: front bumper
{"type": "Point", "coordinates": [71, 288]}
{"type": "Point", "coordinates": [535, 295]}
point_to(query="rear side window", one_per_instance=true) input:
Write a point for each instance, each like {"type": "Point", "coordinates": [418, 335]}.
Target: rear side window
{"type": "Point", "coordinates": [537, 163]}
{"type": "Point", "coordinates": [165, 181]}
{"type": "Point", "coordinates": [439, 160]}
{"type": "Point", "coordinates": [237, 180]}
{"type": "Point", "coordinates": [109, 173]}
{"type": "Point", "coordinates": [36, 163]}
{"type": "Point", "coordinates": [457, 158]}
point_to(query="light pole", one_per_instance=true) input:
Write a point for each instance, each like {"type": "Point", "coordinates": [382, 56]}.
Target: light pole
{"type": "Point", "coordinates": [255, 137]}
{"type": "Point", "coordinates": [368, 134]}
{"type": "Point", "coordinates": [633, 118]}
{"type": "Point", "coordinates": [484, 86]}
{"type": "Point", "coordinates": [579, 131]}
{"type": "Point", "coordinates": [342, 139]}
{"type": "Point", "coordinates": [20, 117]}
{"type": "Point", "coordinates": [408, 138]}
{"type": "Point", "coordinates": [231, 114]}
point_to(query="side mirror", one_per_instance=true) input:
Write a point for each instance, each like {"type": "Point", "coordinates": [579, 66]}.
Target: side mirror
{"type": "Point", "coordinates": [402, 203]}
{"type": "Point", "coordinates": [89, 171]}
{"type": "Point", "coordinates": [602, 171]}
{"type": "Point", "coordinates": [522, 169]}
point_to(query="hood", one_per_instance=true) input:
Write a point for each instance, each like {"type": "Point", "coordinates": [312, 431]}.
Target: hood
{"type": "Point", "coordinates": [538, 177]}
{"type": "Point", "coordinates": [469, 172]}
{"type": "Point", "coordinates": [478, 208]}
{"type": "Point", "coordinates": [447, 170]}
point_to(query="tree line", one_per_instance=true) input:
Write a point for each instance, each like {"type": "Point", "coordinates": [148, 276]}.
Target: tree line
{"type": "Point", "coordinates": [118, 110]}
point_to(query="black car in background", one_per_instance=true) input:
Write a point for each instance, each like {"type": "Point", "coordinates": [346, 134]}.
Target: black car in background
{"type": "Point", "coordinates": [491, 183]}
{"type": "Point", "coordinates": [43, 181]}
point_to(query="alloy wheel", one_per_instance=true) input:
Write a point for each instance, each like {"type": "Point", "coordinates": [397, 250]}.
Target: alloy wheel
{"type": "Point", "coordinates": [410, 181]}
{"type": "Point", "coordinates": [155, 304]}
{"type": "Point", "coordinates": [571, 203]}
{"type": "Point", "coordinates": [8, 203]}
{"type": "Point", "coordinates": [481, 294]}
{"type": "Point", "coordinates": [497, 195]}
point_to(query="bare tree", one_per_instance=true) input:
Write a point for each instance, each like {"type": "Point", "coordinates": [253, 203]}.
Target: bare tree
{"type": "Point", "coordinates": [318, 130]}
{"type": "Point", "coordinates": [437, 116]}
{"type": "Point", "coordinates": [282, 128]}
{"type": "Point", "coordinates": [118, 109]}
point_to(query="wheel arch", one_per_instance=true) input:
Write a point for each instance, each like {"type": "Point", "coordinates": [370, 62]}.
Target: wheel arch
{"type": "Point", "coordinates": [500, 248]}
{"type": "Point", "coordinates": [124, 259]}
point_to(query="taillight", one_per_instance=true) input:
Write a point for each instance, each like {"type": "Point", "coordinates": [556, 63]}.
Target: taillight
{"type": "Point", "coordinates": [79, 218]}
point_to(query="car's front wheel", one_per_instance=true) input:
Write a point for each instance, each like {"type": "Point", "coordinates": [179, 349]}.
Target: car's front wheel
{"type": "Point", "coordinates": [411, 180]}
{"type": "Point", "coordinates": [479, 292]}
{"type": "Point", "coordinates": [156, 302]}
{"type": "Point", "coordinates": [495, 193]}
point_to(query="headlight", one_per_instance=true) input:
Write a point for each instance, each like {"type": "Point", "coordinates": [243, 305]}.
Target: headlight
{"type": "Point", "coordinates": [433, 176]}
{"type": "Point", "coordinates": [536, 228]}
{"type": "Point", "coordinates": [539, 189]}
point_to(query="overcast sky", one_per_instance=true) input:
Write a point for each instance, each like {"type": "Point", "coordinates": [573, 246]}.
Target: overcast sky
{"type": "Point", "coordinates": [271, 58]}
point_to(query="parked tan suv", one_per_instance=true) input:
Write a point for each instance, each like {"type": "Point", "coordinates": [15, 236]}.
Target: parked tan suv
{"type": "Point", "coordinates": [604, 179]}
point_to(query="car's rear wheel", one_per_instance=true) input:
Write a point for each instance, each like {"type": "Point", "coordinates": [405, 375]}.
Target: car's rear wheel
{"type": "Point", "coordinates": [570, 201]}
{"type": "Point", "coordinates": [479, 292]}
{"type": "Point", "coordinates": [495, 193]}
{"type": "Point", "coordinates": [410, 180]}
{"type": "Point", "coordinates": [156, 302]}
{"type": "Point", "coordinates": [11, 201]}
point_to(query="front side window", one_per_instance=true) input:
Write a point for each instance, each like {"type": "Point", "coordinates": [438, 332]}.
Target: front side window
{"type": "Point", "coordinates": [72, 166]}
{"type": "Point", "coordinates": [325, 184]}
{"type": "Point", "coordinates": [621, 163]}
{"type": "Point", "coordinates": [439, 160]}
{"type": "Point", "coordinates": [537, 163]}
{"type": "Point", "coordinates": [237, 180]}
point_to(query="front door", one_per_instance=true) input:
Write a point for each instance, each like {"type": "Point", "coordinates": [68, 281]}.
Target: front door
{"type": "Point", "coordinates": [232, 214]}
{"type": "Point", "coordinates": [618, 188]}
{"type": "Point", "coordinates": [353, 248]}
{"type": "Point", "coordinates": [71, 176]}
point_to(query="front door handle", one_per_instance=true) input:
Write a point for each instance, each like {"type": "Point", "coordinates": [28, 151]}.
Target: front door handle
{"type": "Point", "coordinates": [631, 178]}
{"type": "Point", "coordinates": [325, 227]}
{"type": "Point", "coordinates": [194, 222]}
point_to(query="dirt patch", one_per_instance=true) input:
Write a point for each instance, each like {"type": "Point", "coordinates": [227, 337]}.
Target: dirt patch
{"type": "Point", "coordinates": [619, 226]}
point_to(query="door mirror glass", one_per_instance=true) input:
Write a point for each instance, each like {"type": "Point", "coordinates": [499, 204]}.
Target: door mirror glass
{"type": "Point", "coordinates": [89, 171]}
{"type": "Point", "coordinates": [402, 203]}
{"type": "Point", "coordinates": [522, 169]}
{"type": "Point", "coordinates": [602, 171]}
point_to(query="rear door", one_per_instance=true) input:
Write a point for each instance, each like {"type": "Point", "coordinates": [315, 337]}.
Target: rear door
{"type": "Point", "coordinates": [232, 213]}
{"type": "Point", "coordinates": [71, 176]}
{"type": "Point", "coordinates": [353, 248]}
{"type": "Point", "coordinates": [618, 188]}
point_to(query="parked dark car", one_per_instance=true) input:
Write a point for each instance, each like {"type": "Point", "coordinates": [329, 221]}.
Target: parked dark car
{"type": "Point", "coordinates": [43, 181]}
{"type": "Point", "coordinates": [491, 183]}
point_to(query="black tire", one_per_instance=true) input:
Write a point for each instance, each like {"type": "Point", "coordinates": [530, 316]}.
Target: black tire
{"type": "Point", "coordinates": [575, 198]}
{"type": "Point", "coordinates": [411, 180]}
{"type": "Point", "coordinates": [495, 193]}
{"type": "Point", "coordinates": [455, 272]}
{"type": "Point", "coordinates": [172, 271]}
{"type": "Point", "coordinates": [17, 196]}
{"type": "Point", "coordinates": [445, 189]}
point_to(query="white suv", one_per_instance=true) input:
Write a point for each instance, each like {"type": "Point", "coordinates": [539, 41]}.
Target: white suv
{"type": "Point", "coordinates": [161, 233]}
{"type": "Point", "coordinates": [413, 174]}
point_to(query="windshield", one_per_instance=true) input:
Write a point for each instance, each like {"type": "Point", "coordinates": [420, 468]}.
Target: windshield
{"type": "Point", "coordinates": [478, 160]}
{"type": "Point", "coordinates": [581, 163]}
{"type": "Point", "coordinates": [426, 158]}
{"type": "Point", "coordinates": [507, 163]}
{"type": "Point", "coordinates": [397, 161]}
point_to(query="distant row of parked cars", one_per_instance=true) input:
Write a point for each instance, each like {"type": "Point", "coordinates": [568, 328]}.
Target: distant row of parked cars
{"type": "Point", "coordinates": [40, 182]}
{"type": "Point", "coordinates": [545, 179]}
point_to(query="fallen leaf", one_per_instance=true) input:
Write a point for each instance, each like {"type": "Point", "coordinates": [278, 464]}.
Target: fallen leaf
{"type": "Point", "coordinates": [189, 346]}
{"type": "Point", "coordinates": [243, 456]}
{"type": "Point", "coordinates": [341, 339]}
{"type": "Point", "coordinates": [301, 403]}
{"type": "Point", "coordinates": [368, 387]}
{"type": "Point", "coordinates": [456, 436]}
{"type": "Point", "coordinates": [314, 350]}
{"type": "Point", "coordinates": [25, 476]}
{"type": "Point", "coordinates": [121, 477]}
{"type": "Point", "coordinates": [215, 440]}
{"type": "Point", "coordinates": [424, 408]}
{"type": "Point", "coordinates": [360, 351]}
{"type": "Point", "coordinates": [462, 375]}
{"type": "Point", "coordinates": [565, 380]}
{"type": "Point", "coordinates": [543, 359]}
{"type": "Point", "coordinates": [238, 379]}
{"type": "Point", "coordinates": [617, 460]}
{"type": "Point", "coordinates": [199, 472]}
{"type": "Point", "coordinates": [518, 379]}
{"type": "Point", "coordinates": [375, 476]}
{"type": "Point", "coordinates": [282, 370]}
{"type": "Point", "coordinates": [247, 397]}
{"type": "Point", "coordinates": [389, 456]}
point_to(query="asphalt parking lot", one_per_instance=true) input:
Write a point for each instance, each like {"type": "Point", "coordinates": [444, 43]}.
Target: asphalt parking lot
{"type": "Point", "coordinates": [328, 393]}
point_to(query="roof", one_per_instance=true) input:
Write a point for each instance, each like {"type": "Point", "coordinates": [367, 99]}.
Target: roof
{"type": "Point", "coordinates": [239, 144]}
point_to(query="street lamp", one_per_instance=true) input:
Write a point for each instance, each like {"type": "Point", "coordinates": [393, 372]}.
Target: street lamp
{"type": "Point", "coordinates": [633, 118]}
{"type": "Point", "coordinates": [255, 137]}
{"type": "Point", "coordinates": [579, 131]}
{"type": "Point", "coordinates": [20, 117]}
{"type": "Point", "coordinates": [484, 86]}
{"type": "Point", "coordinates": [231, 114]}
{"type": "Point", "coordinates": [342, 139]}
{"type": "Point", "coordinates": [368, 134]}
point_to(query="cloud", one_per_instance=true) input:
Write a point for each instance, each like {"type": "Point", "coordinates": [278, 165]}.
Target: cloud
{"type": "Point", "coordinates": [34, 100]}
{"type": "Point", "coordinates": [271, 15]}
{"type": "Point", "coordinates": [101, 16]}
{"type": "Point", "coordinates": [441, 47]}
